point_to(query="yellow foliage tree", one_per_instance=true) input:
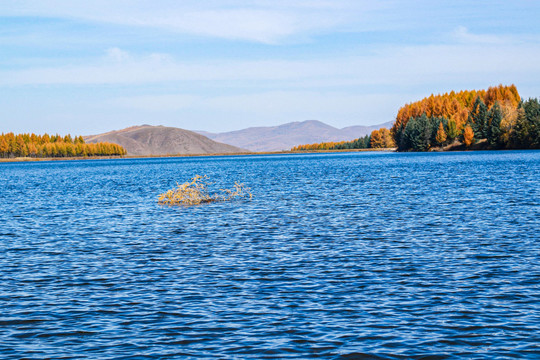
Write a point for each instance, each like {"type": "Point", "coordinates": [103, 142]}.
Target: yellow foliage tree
{"type": "Point", "coordinates": [4, 146]}
{"type": "Point", "coordinates": [441, 134]}
{"type": "Point", "coordinates": [377, 141]}
{"type": "Point", "coordinates": [33, 145]}
{"type": "Point", "coordinates": [468, 136]}
{"type": "Point", "coordinates": [387, 138]}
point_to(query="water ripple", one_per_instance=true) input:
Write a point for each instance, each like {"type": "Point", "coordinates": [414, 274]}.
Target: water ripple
{"type": "Point", "coordinates": [343, 256]}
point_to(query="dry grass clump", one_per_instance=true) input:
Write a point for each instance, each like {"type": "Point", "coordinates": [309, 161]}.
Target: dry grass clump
{"type": "Point", "coordinates": [196, 192]}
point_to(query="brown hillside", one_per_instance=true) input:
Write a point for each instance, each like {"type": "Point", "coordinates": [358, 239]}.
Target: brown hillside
{"type": "Point", "coordinates": [162, 140]}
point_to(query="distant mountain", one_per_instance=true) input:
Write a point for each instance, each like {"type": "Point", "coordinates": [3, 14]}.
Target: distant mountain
{"type": "Point", "coordinates": [161, 140]}
{"type": "Point", "coordinates": [286, 136]}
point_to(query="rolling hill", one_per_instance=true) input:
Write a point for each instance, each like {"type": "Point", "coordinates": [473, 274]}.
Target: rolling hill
{"type": "Point", "coordinates": [286, 136]}
{"type": "Point", "coordinates": [162, 140]}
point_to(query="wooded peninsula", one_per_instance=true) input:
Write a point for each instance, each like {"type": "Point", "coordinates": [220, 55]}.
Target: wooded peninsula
{"type": "Point", "coordinates": [496, 118]}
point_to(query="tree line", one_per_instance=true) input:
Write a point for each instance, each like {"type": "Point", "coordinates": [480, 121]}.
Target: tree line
{"type": "Point", "coordinates": [40, 146]}
{"type": "Point", "coordinates": [378, 139]}
{"type": "Point", "coordinates": [496, 118]}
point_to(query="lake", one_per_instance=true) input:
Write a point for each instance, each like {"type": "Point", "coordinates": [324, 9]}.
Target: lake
{"type": "Point", "coordinates": [370, 255]}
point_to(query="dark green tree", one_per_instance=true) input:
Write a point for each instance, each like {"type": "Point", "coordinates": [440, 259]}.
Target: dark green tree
{"type": "Point", "coordinates": [494, 125]}
{"type": "Point", "coordinates": [452, 130]}
{"type": "Point", "coordinates": [398, 134]}
{"type": "Point", "coordinates": [532, 116]}
{"type": "Point", "coordinates": [478, 118]}
{"type": "Point", "coordinates": [418, 133]}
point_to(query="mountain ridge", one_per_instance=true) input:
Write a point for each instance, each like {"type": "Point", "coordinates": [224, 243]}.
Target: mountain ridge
{"type": "Point", "coordinates": [141, 140]}
{"type": "Point", "coordinates": [286, 136]}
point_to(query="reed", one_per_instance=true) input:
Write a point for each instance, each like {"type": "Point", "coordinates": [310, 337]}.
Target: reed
{"type": "Point", "coordinates": [197, 192]}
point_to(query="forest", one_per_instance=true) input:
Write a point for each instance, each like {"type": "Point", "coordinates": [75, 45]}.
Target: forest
{"type": "Point", "coordinates": [43, 146]}
{"type": "Point", "coordinates": [378, 139]}
{"type": "Point", "coordinates": [496, 118]}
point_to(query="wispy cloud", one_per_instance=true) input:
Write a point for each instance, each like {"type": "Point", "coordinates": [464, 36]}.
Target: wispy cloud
{"type": "Point", "coordinates": [266, 22]}
{"type": "Point", "coordinates": [463, 35]}
{"type": "Point", "coordinates": [116, 63]}
{"type": "Point", "coordinates": [275, 21]}
{"type": "Point", "coordinates": [388, 65]}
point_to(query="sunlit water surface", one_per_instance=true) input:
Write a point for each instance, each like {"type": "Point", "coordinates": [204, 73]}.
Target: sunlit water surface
{"type": "Point", "coordinates": [350, 255]}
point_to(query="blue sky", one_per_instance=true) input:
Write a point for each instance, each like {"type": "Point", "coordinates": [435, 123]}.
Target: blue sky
{"type": "Point", "coordinates": [85, 67]}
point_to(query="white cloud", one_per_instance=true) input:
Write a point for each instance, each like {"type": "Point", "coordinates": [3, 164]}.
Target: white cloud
{"type": "Point", "coordinates": [463, 35]}
{"type": "Point", "coordinates": [280, 21]}
{"type": "Point", "coordinates": [405, 65]}
{"type": "Point", "coordinates": [117, 55]}
{"type": "Point", "coordinates": [266, 22]}
{"type": "Point", "coordinates": [397, 51]}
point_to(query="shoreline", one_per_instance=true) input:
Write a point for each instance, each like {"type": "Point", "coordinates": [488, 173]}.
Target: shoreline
{"type": "Point", "coordinates": [447, 149]}
{"type": "Point", "coordinates": [286, 152]}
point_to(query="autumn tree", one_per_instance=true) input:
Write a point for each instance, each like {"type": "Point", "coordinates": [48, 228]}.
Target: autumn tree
{"type": "Point", "coordinates": [508, 123]}
{"type": "Point", "coordinates": [463, 107]}
{"type": "Point", "coordinates": [441, 134]}
{"type": "Point", "coordinates": [377, 141]}
{"type": "Point", "coordinates": [21, 150]}
{"type": "Point", "coordinates": [388, 141]}
{"type": "Point", "coordinates": [360, 143]}
{"type": "Point", "coordinates": [4, 147]}
{"type": "Point", "coordinates": [32, 149]}
{"type": "Point", "coordinates": [468, 136]}
{"type": "Point", "coordinates": [22, 145]}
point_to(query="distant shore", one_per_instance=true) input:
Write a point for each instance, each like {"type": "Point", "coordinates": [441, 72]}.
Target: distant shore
{"type": "Point", "coordinates": [287, 152]}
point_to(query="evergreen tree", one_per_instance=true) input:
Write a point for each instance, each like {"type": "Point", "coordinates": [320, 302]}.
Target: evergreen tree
{"type": "Point", "coordinates": [397, 134]}
{"type": "Point", "coordinates": [418, 133]}
{"type": "Point", "coordinates": [479, 118]}
{"type": "Point", "coordinates": [494, 127]}
{"type": "Point", "coordinates": [531, 109]}
{"type": "Point", "coordinates": [452, 130]}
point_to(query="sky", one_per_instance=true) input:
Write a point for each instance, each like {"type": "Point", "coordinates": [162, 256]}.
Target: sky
{"type": "Point", "coordinates": [87, 67]}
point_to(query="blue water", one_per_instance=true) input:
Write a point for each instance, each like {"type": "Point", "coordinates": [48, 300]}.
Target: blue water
{"type": "Point", "coordinates": [350, 255]}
